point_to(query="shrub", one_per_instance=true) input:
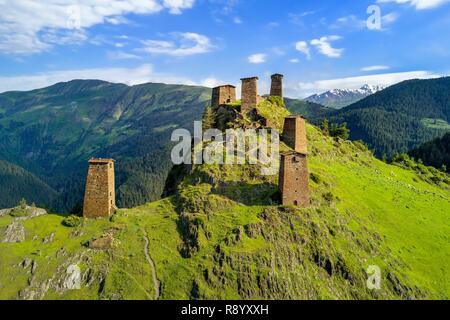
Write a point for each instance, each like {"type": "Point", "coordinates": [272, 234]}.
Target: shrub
{"type": "Point", "coordinates": [72, 221]}
{"type": "Point", "coordinates": [361, 145]}
{"type": "Point", "coordinates": [315, 178]}
{"type": "Point", "coordinates": [278, 101]}
{"type": "Point", "coordinates": [340, 131]}
{"type": "Point", "coordinates": [22, 204]}
{"type": "Point", "coordinates": [19, 212]}
{"type": "Point", "coordinates": [329, 197]}
{"type": "Point", "coordinates": [325, 127]}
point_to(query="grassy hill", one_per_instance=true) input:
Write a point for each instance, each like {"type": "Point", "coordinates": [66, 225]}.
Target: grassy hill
{"type": "Point", "coordinates": [52, 132]}
{"type": "Point", "coordinates": [222, 235]}
{"type": "Point", "coordinates": [401, 117]}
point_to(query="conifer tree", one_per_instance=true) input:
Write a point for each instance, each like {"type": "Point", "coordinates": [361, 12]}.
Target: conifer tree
{"type": "Point", "coordinates": [208, 119]}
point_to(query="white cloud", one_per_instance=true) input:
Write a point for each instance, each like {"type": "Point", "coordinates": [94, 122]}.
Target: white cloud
{"type": "Point", "coordinates": [130, 76]}
{"type": "Point", "coordinates": [304, 89]}
{"type": "Point", "coordinates": [211, 82]}
{"type": "Point", "coordinates": [353, 22]}
{"type": "Point", "coordinates": [419, 4]}
{"type": "Point", "coordinates": [181, 44]}
{"type": "Point", "coordinates": [374, 68]}
{"type": "Point", "coordinates": [278, 51]}
{"type": "Point", "coordinates": [26, 25]}
{"type": "Point", "coordinates": [295, 60]}
{"type": "Point", "coordinates": [323, 45]}
{"type": "Point", "coordinates": [303, 47]}
{"type": "Point", "coordinates": [273, 24]}
{"type": "Point", "coordinates": [257, 58]}
{"type": "Point", "coordinates": [389, 18]}
{"type": "Point", "coordinates": [237, 20]}
{"type": "Point", "coordinates": [350, 21]}
{"type": "Point", "coordinates": [176, 6]}
{"type": "Point", "coordinates": [120, 55]}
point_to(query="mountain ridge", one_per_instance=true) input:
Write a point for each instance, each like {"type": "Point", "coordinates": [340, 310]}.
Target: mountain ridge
{"type": "Point", "coordinates": [340, 98]}
{"type": "Point", "coordinates": [397, 119]}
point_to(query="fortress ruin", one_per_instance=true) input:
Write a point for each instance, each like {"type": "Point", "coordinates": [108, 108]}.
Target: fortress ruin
{"type": "Point", "coordinates": [294, 134]}
{"type": "Point", "coordinates": [276, 88]}
{"type": "Point", "coordinates": [222, 95]}
{"type": "Point", "coordinates": [249, 94]}
{"type": "Point", "coordinates": [100, 197]}
{"type": "Point", "coordinates": [226, 94]}
{"type": "Point", "coordinates": [294, 173]}
{"type": "Point", "coordinates": [294, 179]}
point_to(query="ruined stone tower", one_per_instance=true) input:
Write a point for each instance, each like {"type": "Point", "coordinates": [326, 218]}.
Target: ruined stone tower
{"type": "Point", "coordinates": [276, 88]}
{"type": "Point", "coordinates": [294, 179]}
{"type": "Point", "coordinates": [222, 95]}
{"type": "Point", "coordinates": [294, 134]}
{"type": "Point", "coordinates": [294, 174]}
{"type": "Point", "coordinates": [249, 95]}
{"type": "Point", "coordinates": [100, 197]}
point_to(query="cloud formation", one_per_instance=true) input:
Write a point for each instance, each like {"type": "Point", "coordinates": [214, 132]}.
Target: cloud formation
{"type": "Point", "coordinates": [374, 68]}
{"type": "Point", "coordinates": [257, 58]}
{"type": "Point", "coordinates": [26, 25]}
{"type": "Point", "coordinates": [131, 76]}
{"type": "Point", "coordinates": [323, 45]}
{"type": "Point", "coordinates": [303, 47]}
{"type": "Point", "coordinates": [180, 44]}
{"type": "Point", "coordinates": [419, 4]}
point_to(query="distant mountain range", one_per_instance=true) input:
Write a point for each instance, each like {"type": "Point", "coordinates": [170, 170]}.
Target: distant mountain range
{"type": "Point", "coordinates": [340, 98]}
{"type": "Point", "coordinates": [401, 117]}
{"type": "Point", "coordinates": [47, 135]}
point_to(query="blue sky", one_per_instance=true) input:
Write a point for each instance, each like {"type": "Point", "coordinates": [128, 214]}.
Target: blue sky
{"type": "Point", "coordinates": [317, 45]}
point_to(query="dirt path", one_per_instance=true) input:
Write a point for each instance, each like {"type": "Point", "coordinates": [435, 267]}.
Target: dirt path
{"type": "Point", "coordinates": [156, 282]}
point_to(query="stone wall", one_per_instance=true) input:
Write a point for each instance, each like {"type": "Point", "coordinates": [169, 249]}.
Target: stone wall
{"type": "Point", "coordinates": [222, 95]}
{"type": "Point", "coordinates": [276, 88]}
{"type": "Point", "coordinates": [249, 95]}
{"type": "Point", "coordinates": [294, 134]}
{"type": "Point", "coordinates": [294, 180]}
{"type": "Point", "coordinates": [100, 198]}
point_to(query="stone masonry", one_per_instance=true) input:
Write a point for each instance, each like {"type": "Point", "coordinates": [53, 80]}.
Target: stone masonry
{"type": "Point", "coordinates": [249, 95]}
{"type": "Point", "coordinates": [294, 134]}
{"type": "Point", "coordinates": [99, 198]}
{"type": "Point", "coordinates": [294, 174]}
{"type": "Point", "coordinates": [222, 95]}
{"type": "Point", "coordinates": [294, 179]}
{"type": "Point", "coordinates": [276, 88]}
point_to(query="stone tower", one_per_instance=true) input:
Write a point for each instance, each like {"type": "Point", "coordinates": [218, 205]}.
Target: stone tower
{"type": "Point", "coordinates": [249, 95]}
{"type": "Point", "coordinates": [276, 89]}
{"type": "Point", "coordinates": [294, 134]}
{"type": "Point", "coordinates": [100, 197]}
{"type": "Point", "coordinates": [294, 179]}
{"type": "Point", "coordinates": [223, 95]}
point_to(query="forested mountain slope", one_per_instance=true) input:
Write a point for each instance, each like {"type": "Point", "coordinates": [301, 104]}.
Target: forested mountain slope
{"type": "Point", "coordinates": [401, 117]}
{"type": "Point", "coordinates": [52, 132]}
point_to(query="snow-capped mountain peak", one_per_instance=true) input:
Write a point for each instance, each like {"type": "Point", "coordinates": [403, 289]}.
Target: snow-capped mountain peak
{"type": "Point", "coordinates": [339, 98]}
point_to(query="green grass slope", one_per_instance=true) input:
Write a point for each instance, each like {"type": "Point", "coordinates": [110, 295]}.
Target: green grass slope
{"type": "Point", "coordinates": [223, 236]}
